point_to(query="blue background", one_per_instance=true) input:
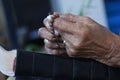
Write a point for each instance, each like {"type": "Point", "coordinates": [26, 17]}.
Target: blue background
{"type": "Point", "coordinates": [113, 15]}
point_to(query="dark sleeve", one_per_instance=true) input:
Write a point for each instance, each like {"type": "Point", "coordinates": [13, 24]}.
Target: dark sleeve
{"type": "Point", "coordinates": [62, 68]}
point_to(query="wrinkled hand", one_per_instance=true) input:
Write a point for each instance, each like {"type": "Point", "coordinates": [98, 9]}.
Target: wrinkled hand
{"type": "Point", "coordinates": [50, 42]}
{"type": "Point", "coordinates": [85, 38]}
{"type": "Point", "coordinates": [7, 61]}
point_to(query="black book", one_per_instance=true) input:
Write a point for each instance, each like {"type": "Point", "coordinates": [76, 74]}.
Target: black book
{"type": "Point", "coordinates": [39, 66]}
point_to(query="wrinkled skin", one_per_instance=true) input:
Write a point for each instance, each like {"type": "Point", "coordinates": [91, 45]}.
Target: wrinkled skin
{"type": "Point", "coordinates": [83, 38]}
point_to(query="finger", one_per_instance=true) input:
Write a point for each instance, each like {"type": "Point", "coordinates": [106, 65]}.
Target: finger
{"type": "Point", "coordinates": [55, 51]}
{"type": "Point", "coordinates": [45, 34]}
{"type": "Point", "coordinates": [47, 22]}
{"type": "Point", "coordinates": [64, 25]}
{"type": "Point", "coordinates": [69, 40]}
{"type": "Point", "coordinates": [75, 18]}
{"type": "Point", "coordinates": [70, 17]}
{"type": "Point", "coordinates": [53, 45]}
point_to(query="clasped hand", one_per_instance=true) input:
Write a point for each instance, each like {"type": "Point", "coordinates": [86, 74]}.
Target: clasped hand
{"type": "Point", "coordinates": [83, 37]}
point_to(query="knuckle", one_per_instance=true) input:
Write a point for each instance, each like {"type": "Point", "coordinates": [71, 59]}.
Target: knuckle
{"type": "Point", "coordinates": [56, 21]}
{"type": "Point", "coordinates": [69, 15]}
{"type": "Point", "coordinates": [72, 52]}
{"type": "Point", "coordinates": [47, 50]}
{"type": "Point", "coordinates": [55, 52]}
{"type": "Point", "coordinates": [45, 34]}
{"type": "Point", "coordinates": [44, 21]}
{"type": "Point", "coordinates": [51, 51]}
{"type": "Point", "coordinates": [51, 45]}
{"type": "Point", "coordinates": [47, 43]}
{"type": "Point", "coordinates": [48, 46]}
{"type": "Point", "coordinates": [40, 32]}
{"type": "Point", "coordinates": [76, 45]}
{"type": "Point", "coordinates": [86, 18]}
{"type": "Point", "coordinates": [85, 32]}
{"type": "Point", "coordinates": [81, 39]}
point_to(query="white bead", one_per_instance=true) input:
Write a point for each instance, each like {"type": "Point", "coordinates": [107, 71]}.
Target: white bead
{"type": "Point", "coordinates": [50, 17]}
{"type": "Point", "coordinates": [56, 32]}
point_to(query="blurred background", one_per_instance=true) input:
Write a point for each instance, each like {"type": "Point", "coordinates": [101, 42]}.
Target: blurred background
{"type": "Point", "coordinates": [21, 19]}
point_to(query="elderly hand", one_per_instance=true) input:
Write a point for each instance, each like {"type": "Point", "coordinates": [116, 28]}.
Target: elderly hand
{"type": "Point", "coordinates": [85, 38]}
